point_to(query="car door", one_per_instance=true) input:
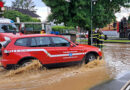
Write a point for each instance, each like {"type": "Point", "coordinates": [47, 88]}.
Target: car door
{"type": "Point", "coordinates": [51, 49]}
{"type": "Point", "coordinates": [42, 47]}
{"type": "Point", "coordinates": [63, 51]}
{"type": "Point", "coordinates": [54, 50]}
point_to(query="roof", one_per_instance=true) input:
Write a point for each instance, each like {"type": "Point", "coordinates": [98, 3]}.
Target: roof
{"type": "Point", "coordinates": [20, 36]}
{"type": "Point", "coordinates": [24, 11]}
{"type": "Point", "coordinates": [33, 35]}
{"type": "Point", "coordinates": [28, 12]}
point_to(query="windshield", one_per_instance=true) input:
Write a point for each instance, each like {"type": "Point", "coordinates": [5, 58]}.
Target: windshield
{"type": "Point", "coordinates": [8, 28]}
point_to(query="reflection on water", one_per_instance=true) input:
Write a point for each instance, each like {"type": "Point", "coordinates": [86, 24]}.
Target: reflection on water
{"type": "Point", "coordinates": [117, 56]}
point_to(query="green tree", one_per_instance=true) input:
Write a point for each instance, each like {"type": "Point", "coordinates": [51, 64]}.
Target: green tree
{"type": "Point", "coordinates": [16, 4]}
{"type": "Point", "coordinates": [11, 14]}
{"type": "Point", "coordinates": [78, 12]}
{"type": "Point", "coordinates": [129, 19]}
{"type": "Point", "coordinates": [24, 4]}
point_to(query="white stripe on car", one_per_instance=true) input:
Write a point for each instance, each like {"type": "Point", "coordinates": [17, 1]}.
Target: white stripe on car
{"type": "Point", "coordinates": [30, 50]}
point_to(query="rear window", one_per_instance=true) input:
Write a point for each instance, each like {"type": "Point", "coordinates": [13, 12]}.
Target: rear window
{"type": "Point", "coordinates": [22, 42]}
{"type": "Point", "coordinates": [40, 42]}
{"type": "Point", "coordinates": [34, 42]}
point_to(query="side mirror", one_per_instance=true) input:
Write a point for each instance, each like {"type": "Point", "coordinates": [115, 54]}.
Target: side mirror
{"type": "Point", "coordinates": [76, 43]}
{"type": "Point", "coordinates": [72, 45]}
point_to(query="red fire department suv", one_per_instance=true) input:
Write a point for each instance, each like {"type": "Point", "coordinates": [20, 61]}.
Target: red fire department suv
{"type": "Point", "coordinates": [48, 49]}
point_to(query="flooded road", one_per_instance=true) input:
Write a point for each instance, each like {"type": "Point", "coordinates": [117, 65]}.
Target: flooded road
{"type": "Point", "coordinates": [117, 62]}
{"type": "Point", "coordinates": [67, 78]}
{"type": "Point", "coordinates": [117, 57]}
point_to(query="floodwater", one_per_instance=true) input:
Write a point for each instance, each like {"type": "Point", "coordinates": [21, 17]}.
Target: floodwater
{"type": "Point", "coordinates": [117, 62]}
{"type": "Point", "coordinates": [67, 78]}
{"type": "Point", "coordinates": [117, 57]}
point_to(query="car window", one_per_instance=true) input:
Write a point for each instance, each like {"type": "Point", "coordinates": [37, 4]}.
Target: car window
{"type": "Point", "coordinates": [33, 42]}
{"type": "Point", "coordinates": [22, 42]}
{"type": "Point", "coordinates": [60, 42]}
{"type": "Point", "coordinates": [43, 41]}
{"type": "Point", "coordinates": [7, 28]}
{"type": "Point", "coordinates": [40, 42]}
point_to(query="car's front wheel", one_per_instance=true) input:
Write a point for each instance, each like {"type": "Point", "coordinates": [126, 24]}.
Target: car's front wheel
{"type": "Point", "coordinates": [90, 57]}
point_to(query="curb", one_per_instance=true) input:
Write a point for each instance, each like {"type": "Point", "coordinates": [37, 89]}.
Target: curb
{"type": "Point", "coordinates": [106, 81]}
{"type": "Point", "coordinates": [125, 87]}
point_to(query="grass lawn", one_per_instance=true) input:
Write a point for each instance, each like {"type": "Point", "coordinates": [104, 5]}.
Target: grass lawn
{"type": "Point", "coordinates": [120, 41]}
{"type": "Point", "coordinates": [117, 41]}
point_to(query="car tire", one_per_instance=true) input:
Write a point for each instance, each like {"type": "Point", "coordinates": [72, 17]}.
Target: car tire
{"type": "Point", "coordinates": [26, 63]}
{"type": "Point", "coordinates": [90, 57]}
{"type": "Point", "coordinates": [22, 64]}
{"type": "Point", "coordinates": [82, 63]}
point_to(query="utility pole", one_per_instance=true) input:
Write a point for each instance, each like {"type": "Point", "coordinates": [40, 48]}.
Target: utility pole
{"type": "Point", "coordinates": [91, 21]}
{"type": "Point", "coordinates": [90, 41]}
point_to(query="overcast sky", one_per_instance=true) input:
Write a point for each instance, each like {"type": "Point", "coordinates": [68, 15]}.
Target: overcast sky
{"type": "Point", "coordinates": [43, 11]}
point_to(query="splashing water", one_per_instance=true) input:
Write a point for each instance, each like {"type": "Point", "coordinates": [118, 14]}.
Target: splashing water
{"type": "Point", "coordinates": [34, 66]}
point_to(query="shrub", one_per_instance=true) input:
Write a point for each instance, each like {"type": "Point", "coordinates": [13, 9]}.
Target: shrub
{"type": "Point", "coordinates": [62, 28]}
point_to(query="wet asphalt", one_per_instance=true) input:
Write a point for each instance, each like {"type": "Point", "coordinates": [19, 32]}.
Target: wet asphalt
{"type": "Point", "coordinates": [117, 56]}
{"type": "Point", "coordinates": [115, 84]}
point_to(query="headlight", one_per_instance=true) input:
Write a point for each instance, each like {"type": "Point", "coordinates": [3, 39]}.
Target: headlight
{"type": "Point", "coordinates": [6, 38]}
